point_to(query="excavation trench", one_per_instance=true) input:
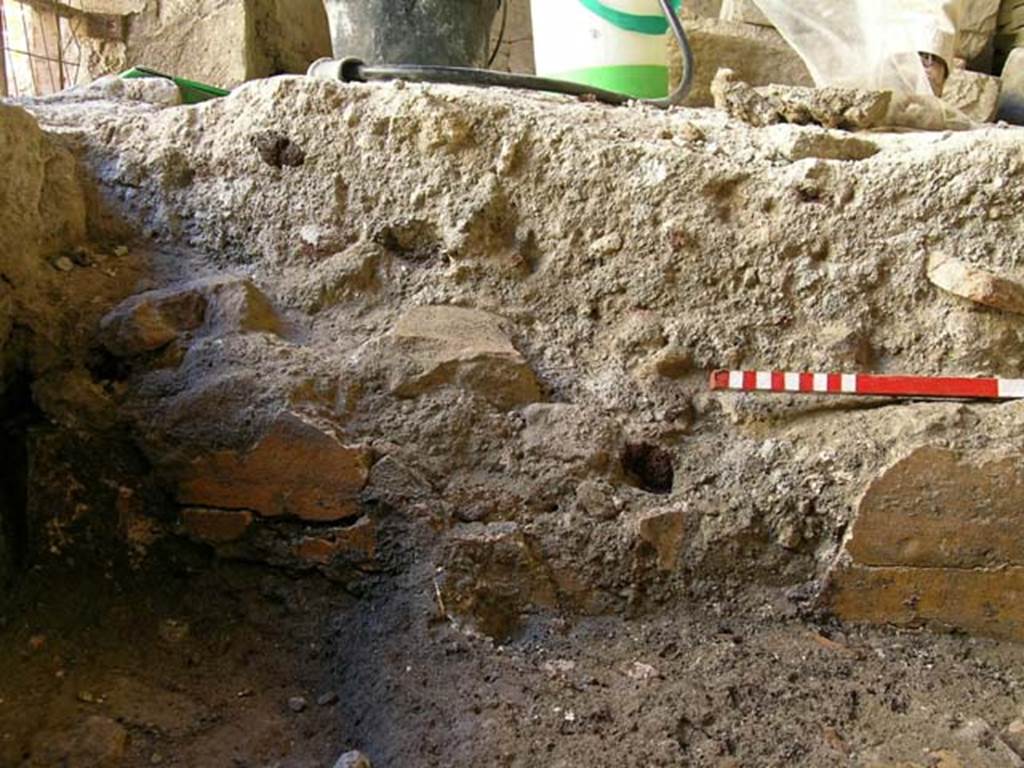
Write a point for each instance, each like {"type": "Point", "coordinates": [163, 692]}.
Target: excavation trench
{"type": "Point", "coordinates": [377, 417]}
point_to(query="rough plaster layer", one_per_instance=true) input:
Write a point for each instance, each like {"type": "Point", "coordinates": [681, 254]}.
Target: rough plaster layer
{"type": "Point", "coordinates": [561, 446]}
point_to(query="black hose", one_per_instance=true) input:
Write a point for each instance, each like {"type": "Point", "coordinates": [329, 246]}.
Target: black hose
{"type": "Point", "coordinates": [354, 70]}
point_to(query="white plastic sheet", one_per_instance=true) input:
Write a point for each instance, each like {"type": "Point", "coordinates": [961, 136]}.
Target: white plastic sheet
{"type": "Point", "coordinates": [875, 45]}
{"type": "Point", "coordinates": [871, 44]}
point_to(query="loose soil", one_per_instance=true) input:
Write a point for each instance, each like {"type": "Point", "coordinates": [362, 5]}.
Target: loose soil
{"type": "Point", "coordinates": [199, 665]}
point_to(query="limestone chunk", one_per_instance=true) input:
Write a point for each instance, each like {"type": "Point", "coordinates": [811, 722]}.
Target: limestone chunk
{"type": "Point", "coordinates": [664, 531]}
{"type": "Point", "coordinates": [846, 108]}
{"type": "Point", "coordinates": [148, 321]}
{"type": "Point", "coordinates": [441, 345]}
{"type": "Point", "coordinates": [973, 93]}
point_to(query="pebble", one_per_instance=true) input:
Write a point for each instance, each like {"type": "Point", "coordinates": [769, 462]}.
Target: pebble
{"type": "Point", "coordinates": [63, 264]}
{"type": "Point", "coordinates": [297, 704]}
{"type": "Point", "coordinates": [328, 699]}
{"type": "Point", "coordinates": [82, 257]}
{"type": "Point", "coordinates": [173, 630]}
{"type": "Point", "coordinates": [353, 759]}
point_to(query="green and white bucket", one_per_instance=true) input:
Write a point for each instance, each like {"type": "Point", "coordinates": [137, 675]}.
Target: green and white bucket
{"type": "Point", "coordinates": [617, 45]}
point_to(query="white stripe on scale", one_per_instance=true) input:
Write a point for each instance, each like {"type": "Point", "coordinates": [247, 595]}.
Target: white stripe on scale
{"type": "Point", "coordinates": [1011, 388]}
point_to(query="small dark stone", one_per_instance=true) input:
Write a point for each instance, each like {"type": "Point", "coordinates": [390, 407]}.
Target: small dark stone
{"type": "Point", "coordinates": [328, 699]}
{"type": "Point", "coordinates": [277, 150]}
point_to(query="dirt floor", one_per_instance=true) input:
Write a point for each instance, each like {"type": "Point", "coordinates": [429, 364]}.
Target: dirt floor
{"type": "Point", "coordinates": [204, 666]}
{"type": "Point", "coordinates": [413, 361]}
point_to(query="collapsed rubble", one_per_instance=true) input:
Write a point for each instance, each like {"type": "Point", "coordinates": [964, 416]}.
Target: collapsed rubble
{"type": "Point", "coordinates": [490, 316]}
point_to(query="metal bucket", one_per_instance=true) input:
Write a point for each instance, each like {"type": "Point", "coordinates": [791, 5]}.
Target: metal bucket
{"type": "Point", "coordinates": [441, 32]}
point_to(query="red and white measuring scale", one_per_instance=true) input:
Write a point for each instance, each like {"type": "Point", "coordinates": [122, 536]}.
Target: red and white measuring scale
{"type": "Point", "coordinates": [868, 384]}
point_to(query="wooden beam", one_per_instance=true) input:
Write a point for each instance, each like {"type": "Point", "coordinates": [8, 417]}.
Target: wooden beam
{"type": "Point", "coordinates": [4, 93]}
{"type": "Point", "coordinates": [45, 45]}
{"type": "Point", "coordinates": [53, 6]}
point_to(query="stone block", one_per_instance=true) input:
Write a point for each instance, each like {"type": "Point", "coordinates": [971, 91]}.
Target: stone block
{"type": "Point", "coordinates": [976, 27]}
{"type": "Point", "coordinates": [1011, 95]}
{"type": "Point", "coordinates": [151, 320]}
{"type": "Point", "coordinates": [847, 108]}
{"type": "Point", "coordinates": [984, 602]}
{"type": "Point", "coordinates": [355, 544]}
{"type": "Point", "coordinates": [295, 470]}
{"type": "Point", "coordinates": [440, 345]}
{"type": "Point", "coordinates": [221, 42]}
{"type": "Point", "coordinates": [973, 93]}
{"type": "Point", "coordinates": [758, 55]}
{"type": "Point", "coordinates": [933, 509]}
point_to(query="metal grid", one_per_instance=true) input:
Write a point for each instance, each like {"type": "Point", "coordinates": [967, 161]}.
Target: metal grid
{"type": "Point", "coordinates": [42, 52]}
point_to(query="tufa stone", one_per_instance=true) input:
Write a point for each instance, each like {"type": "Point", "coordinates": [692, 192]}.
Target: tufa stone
{"type": "Point", "coordinates": [152, 320]}
{"type": "Point", "coordinates": [932, 509]}
{"type": "Point", "coordinates": [220, 305]}
{"type": "Point", "coordinates": [355, 543]}
{"type": "Point", "coordinates": [216, 526]}
{"type": "Point", "coordinates": [977, 285]}
{"type": "Point", "coordinates": [295, 470]}
{"type": "Point", "coordinates": [984, 602]}
{"type": "Point", "coordinates": [438, 346]}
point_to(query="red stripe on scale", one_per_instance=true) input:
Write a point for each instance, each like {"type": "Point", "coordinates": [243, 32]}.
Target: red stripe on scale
{"type": "Point", "coordinates": [923, 386]}
{"type": "Point", "coordinates": [870, 384]}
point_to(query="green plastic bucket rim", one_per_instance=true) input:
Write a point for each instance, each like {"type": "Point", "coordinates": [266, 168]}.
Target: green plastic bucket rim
{"type": "Point", "coordinates": [631, 22]}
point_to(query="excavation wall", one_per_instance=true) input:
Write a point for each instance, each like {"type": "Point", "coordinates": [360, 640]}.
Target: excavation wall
{"type": "Point", "coordinates": [311, 324]}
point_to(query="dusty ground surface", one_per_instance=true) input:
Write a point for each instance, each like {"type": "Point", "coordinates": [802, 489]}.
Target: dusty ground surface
{"type": "Point", "coordinates": [426, 370]}
{"type": "Point", "coordinates": [198, 667]}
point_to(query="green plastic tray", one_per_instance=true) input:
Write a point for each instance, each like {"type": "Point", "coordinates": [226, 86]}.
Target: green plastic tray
{"type": "Point", "coordinates": [191, 91]}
